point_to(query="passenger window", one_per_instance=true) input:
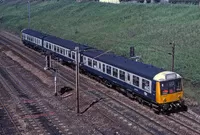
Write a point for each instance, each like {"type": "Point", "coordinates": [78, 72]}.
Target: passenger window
{"type": "Point", "coordinates": [122, 75]}
{"type": "Point", "coordinates": [61, 51]}
{"type": "Point", "coordinates": [66, 53]}
{"type": "Point", "coordinates": [115, 72]}
{"type": "Point", "coordinates": [84, 60]}
{"type": "Point", "coordinates": [104, 68]}
{"type": "Point", "coordinates": [73, 55]}
{"type": "Point", "coordinates": [58, 49]}
{"type": "Point", "coordinates": [99, 65]}
{"type": "Point", "coordinates": [145, 84]}
{"type": "Point", "coordinates": [89, 62]}
{"type": "Point", "coordinates": [94, 63]}
{"type": "Point", "coordinates": [69, 54]}
{"type": "Point", "coordinates": [135, 80]}
{"type": "Point", "coordinates": [128, 77]}
{"type": "Point", "coordinates": [54, 48]}
{"type": "Point", "coordinates": [108, 70]}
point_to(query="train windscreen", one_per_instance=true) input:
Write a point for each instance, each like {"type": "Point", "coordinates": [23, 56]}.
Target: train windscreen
{"type": "Point", "coordinates": [169, 87]}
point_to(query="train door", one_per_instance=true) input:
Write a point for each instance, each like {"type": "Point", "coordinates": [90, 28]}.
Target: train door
{"type": "Point", "coordinates": [85, 60]}
{"type": "Point", "coordinates": [128, 78]}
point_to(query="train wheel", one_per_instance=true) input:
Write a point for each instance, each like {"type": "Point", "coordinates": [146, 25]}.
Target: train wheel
{"type": "Point", "coordinates": [129, 94]}
{"type": "Point", "coordinates": [140, 100]}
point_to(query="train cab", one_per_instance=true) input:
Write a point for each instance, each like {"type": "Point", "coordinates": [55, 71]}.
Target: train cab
{"type": "Point", "coordinates": [169, 90]}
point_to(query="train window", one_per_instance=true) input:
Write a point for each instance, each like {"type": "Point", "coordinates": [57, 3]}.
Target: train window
{"type": "Point", "coordinates": [94, 63]}
{"type": "Point", "coordinates": [122, 75]}
{"type": "Point", "coordinates": [171, 87]}
{"type": "Point", "coordinates": [164, 88]}
{"type": "Point", "coordinates": [145, 84]}
{"type": "Point", "coordinates": [115, 72]}
{"type": "Point", "coordinates": [84, 58]}
{"type": "Point", "coordinates": [66, 53]}
{"type": "Point", "coordinates": [54, 48]}
{"type": "Point", "coordinates": [57, 49]}
{"type": "Point", "coordinates": [50, 46]}
{"type": "Point", "coordinates": [108, 70]}
{"type": "Point", "coordinates": [99, 65]}
{"type": "Point", "coordinates": [135, 80]}
{"type": "Point", "coordinates": [47, 45]}
{"type": "Point", "coordinates": [69, 54]}
{"type": "Point", "coordinates": [128, 77]}
{"type": "Point", "coordinates": [103, 67]}
{"type": "Point", "coordinates": [178, 85]}
{"type": "Point", "coordinates": [61, 51]}
{"type": "Point", "coordinates": [89, 62]}
{"type": "Point", "coordinates": [73, 55]}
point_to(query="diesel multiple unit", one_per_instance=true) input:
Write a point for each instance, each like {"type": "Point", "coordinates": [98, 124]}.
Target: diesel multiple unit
{"type": "Point", "coordinates": [161, 89]}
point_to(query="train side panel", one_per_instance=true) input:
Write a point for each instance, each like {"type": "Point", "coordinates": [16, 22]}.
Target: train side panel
{"type": "Point", "coordinates": [148, 96]}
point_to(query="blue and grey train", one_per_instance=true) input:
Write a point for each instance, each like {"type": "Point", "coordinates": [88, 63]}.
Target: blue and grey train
{"type": "Point", "coordinates": [162, 90]}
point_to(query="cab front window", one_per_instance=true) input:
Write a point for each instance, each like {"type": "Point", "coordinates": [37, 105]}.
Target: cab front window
{"type": "Point", "coordinates": [178, 85]}
{"type": "Point", "coordinates": [164, 88]}
{"type": "Point", "coordinates": [169, 87]}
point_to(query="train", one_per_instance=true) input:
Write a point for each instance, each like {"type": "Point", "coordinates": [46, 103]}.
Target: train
{"type": "Point", "coordinates": [160, 89]}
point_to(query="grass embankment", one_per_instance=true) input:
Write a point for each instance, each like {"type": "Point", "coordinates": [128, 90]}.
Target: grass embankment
{"type": "Point", "coordinates": [150, 28]}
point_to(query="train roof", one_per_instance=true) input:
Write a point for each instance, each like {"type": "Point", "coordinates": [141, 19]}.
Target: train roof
{"type": "Point", "coordinates": [65, 43]}
{"type": "Point", "coordinates": [138, 68]}
{"type": "Point", "coordinates": [34, 33]}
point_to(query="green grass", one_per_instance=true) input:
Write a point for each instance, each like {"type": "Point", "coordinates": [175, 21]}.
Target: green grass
{"type": "Point", "coordinates": [150, 28]}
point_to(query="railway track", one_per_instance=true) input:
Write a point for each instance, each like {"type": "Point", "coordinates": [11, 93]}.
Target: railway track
{"type": "Point", "coordinates": [31, 110]}
{"type": "Point", "coordinates": [115, 105]}
{"type": "Point", "coordinates": [7, 124]}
